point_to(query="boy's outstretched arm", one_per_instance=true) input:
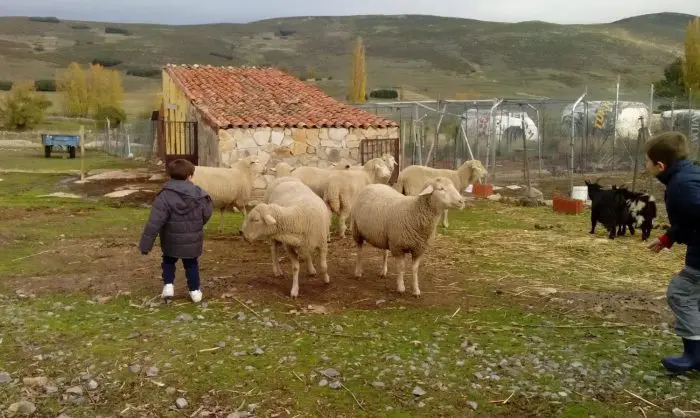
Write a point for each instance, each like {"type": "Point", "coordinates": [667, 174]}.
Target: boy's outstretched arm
{"type": "Point", "coordinates": [159, 216]}
{"type": "Point", "coordinates": [688, 209]}
{"type": "Point", "coordinates": [207, 210]}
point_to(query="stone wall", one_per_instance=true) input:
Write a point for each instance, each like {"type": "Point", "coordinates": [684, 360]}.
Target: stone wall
{"type": "Point", "coordinates": [317, 147]}
{"type": "Point", "coordinates": [297, 146]}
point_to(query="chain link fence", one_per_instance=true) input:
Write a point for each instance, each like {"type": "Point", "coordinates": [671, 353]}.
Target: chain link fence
{"type": "Point", "coordinates": [134, 139]}
{"type": "Point", "coordinates": [551, 139]}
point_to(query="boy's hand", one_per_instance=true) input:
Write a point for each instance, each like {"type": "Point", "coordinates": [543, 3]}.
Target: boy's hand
{"type": "Point", "coordinates": [656, 245]}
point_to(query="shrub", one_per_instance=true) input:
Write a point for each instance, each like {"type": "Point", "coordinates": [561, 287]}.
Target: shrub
{"type": "Point", "coordinates": [384, 94]}
{"type": "Point", "coordinates": [220, 55]}
{"type": "Point", "coordinates": [106, 62]}
{"type": "Point", "coordinates": [285, 32]}
{"type": "Point", "coordinates": [144, 72]}
{"type": "Point", "coordinates": [45, 19]}
{"type": "Point", "coordinates": [23, 108]}
{"type": "Point", "coordinates": [663, 107]}
{"type": "Point", "coordinates": [45, 85]}
{"type": "Point", "coordinates": [80, 26]}
{"type": "Point", "coordinates": [118, 31]}
{"type": "Point", "coordinates": [5, 85]}
{"type": "Point", "coordinates": [116, 115]}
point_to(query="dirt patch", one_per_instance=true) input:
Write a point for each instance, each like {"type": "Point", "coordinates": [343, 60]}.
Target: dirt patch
{"type": "Point", "coordinates": [232, 267]}
{"type": "Point", "coordinates": [97, 189]}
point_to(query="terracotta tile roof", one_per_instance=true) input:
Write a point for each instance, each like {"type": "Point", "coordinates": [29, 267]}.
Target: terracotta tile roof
{"type": "Point", "coordinates": [248, 97]}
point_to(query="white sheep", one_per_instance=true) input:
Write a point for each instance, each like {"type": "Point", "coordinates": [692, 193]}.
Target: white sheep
{"type": "Point", "coordinates": [344, 185]}
{"type": "Point", "coordinates": [401, 225]}
{"type": "Point", "coordinates": [228, 186]}
{"type": "Point", "coordinates": [388, 159]}
{"type": "Point", "coordinates": [294, 216]}
{"type": "Point", "coordinates": [412, 178]}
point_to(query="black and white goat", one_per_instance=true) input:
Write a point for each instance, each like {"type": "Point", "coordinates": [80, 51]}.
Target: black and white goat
{"type": "Point", "coordinates": [608, 206]}
{"type": "Point", "coordinates": [641, 212]}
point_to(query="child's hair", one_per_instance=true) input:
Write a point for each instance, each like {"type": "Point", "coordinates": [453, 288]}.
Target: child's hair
{"type": "Point", "coordinates": [667, 148]}
{"type": "Point", "coordinates": [180, 169]}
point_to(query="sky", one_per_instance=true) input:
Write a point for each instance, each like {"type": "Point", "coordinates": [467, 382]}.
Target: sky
{"type": "Point", "coordinates": [220, 11]}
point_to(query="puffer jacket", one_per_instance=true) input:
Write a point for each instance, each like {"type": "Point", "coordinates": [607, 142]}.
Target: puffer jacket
{"type": "Point", "coordinates": [682, 197]}
{"type": "Point", "coordinates": [179, 212]}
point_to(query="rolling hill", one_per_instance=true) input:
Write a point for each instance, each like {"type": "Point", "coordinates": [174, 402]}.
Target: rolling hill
{"type": "Point", "coordinates": [430, 56]}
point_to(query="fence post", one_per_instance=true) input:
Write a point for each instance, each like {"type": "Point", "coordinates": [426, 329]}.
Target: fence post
{"type": "Point", "coordinates": [82, 152]}
{"type": "Point", "coordinates": [617, 103]}
{"type": "Point", "coordinates": [641, 134]}
{"type": "Point", "coordinates": [572, 143]}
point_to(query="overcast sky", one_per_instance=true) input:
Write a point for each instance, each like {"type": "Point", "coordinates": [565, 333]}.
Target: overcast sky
{"type": "Point", "coordinates": [239, 11]}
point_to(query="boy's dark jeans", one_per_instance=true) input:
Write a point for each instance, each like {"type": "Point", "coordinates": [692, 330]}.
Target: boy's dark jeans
{"type": "Point", "coordinates": [191, 271]}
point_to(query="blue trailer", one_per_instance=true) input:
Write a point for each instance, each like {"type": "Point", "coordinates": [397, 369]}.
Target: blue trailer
{"type": "Point", "coordinates": [59, 142]}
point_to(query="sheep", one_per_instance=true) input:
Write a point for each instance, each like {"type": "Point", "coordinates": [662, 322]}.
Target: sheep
{"type": "Point", "coordinates": [388, 159]}
{"type": "Point", "coordinates": [294, 216]}
{"type": "Point", "coordinates": [282, 169]}
{"type": "Point", "coordinates": [399, 224]}
{"type": "Point", "coordinates": [607, 207]}
{"type": "Point", "coordinates": [344, 185]}
{"type": "Point", "coordinates": [228, 186]}
{"type": "Point", "coordinates": [314, 177]}
{"type": "Point", "coordinates": [412, 178]}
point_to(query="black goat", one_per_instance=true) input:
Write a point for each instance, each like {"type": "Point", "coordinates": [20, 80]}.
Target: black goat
{"type": "Point", "coordinates": [641, 212]}
{"type": "Point", "coordinates": [607, 207]}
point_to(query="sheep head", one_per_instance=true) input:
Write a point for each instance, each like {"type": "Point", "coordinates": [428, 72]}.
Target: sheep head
{"type": "Point", "coordinates": [251, 162]}
{"type": "Point", "coordinates": [443, 194]}
{"type": "Point", "coordinates": [472, 171]}
{"type": "Point", "coordinates": [389, 160]}
{"type": "Point", "coordinates": [260, 223]}
{"type": "Point", "coordinates": [378, 170]}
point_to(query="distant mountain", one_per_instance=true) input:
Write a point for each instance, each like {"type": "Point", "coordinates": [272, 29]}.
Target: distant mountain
{"type": "Point", "coordinates": [427, 55]}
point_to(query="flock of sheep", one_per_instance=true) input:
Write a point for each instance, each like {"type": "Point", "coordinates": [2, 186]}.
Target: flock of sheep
{"type": "Point", "coordinates": [297, 208]}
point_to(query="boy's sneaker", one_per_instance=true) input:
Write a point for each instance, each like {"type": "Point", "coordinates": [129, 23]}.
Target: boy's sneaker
{"type": "Point", "coordinates": [168, 291]}
{"type": "Point", "coordinates": [196, 296]}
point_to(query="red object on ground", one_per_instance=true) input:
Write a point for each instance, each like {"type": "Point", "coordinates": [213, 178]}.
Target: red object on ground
{"type": "Point", "coordinates": [563, 204]}
{"type": "Point", "coordinates": [482, 190]}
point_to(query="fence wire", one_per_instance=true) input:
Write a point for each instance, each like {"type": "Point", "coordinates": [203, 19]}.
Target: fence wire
{"type": "Point", "coordinates": [135, 139]}
{"type": "Point", "coordinates": [509, 135]}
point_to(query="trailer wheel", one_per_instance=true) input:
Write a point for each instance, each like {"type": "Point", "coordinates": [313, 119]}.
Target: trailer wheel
{"type": "Point", "coordinates": [47, 151]}
{"type": "Point", "coordinates": [71, 152]}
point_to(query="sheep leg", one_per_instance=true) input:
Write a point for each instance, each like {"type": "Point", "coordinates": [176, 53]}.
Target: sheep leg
{"type": "Point", "coordinates": [276, 270]}
{"type": "Point", "coordinates": [310, 266]}
{"type": "Point", "coordinates": [358, 261]}
{"type": "Point", "coordinates": [295, 272]}
{"type": "Point", "coordinates": [385, 268]}
{"type": "Point", "coordinates": [323, 263]}
{"type": "Point", "coordinates": [400, 266]}
{"type": "Point", "coordinates": [342, 227]}
{"type": "Point", "coordinates": [414, 271]}
{"type": "Point", "coordinates": [445, 223]}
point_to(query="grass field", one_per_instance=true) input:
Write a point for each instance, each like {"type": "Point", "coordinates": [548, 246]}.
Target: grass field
{"type": "Point", "coordinates": [522, 313]}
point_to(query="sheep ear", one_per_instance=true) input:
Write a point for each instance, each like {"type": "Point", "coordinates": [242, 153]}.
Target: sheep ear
{"type": "Point", "coordinates": [428, 190]}
{"type": "Point", "coordinates": [269, 220]}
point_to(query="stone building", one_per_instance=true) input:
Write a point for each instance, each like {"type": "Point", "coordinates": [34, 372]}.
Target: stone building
{"type": "Point", "coordinates": [241, 111]}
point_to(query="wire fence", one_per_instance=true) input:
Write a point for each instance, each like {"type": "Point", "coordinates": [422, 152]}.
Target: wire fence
{"type": "Point", "coordinates": [549, 138]}
{"type": "Point", "coordinates": [135, 139]}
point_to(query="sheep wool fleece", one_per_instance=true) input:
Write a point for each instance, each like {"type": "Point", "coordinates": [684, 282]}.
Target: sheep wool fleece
{"type": "Point", "coordinates": [179, 213]}
{"type": "Point", "coordinates": [683, 297]}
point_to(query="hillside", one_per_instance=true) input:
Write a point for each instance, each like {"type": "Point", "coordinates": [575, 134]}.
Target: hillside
{"type": "Point", "coordinates": [432, 56]}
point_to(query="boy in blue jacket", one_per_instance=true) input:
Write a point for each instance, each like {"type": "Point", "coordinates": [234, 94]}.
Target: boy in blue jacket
{"type": "Point", "coordinates": [667, 158]}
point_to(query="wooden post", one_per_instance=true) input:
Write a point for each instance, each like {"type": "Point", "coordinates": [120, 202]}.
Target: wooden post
{"type": "Point", "coordinates": [526, 163]}
{"type": "Point", "coordinates": [82, 152]}
{"type": "Point", "coordinates": [641, 136]}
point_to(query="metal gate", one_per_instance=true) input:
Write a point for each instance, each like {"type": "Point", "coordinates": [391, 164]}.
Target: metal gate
{"type": "Point", "coordinates": [178, 140]}
{"type": "Point", "coordinates": [375, 148]}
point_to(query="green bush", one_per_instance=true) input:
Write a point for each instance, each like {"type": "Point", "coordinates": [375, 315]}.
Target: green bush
{"type": "Point", "coordinates": [118, 31]}
{"type": "Point", "coordinates": [285, 32]}
{"type": "Point", "coordinates": [45, 19]}
{"type": "Point", "coordinates": [5, 85]}
{"type": "Point", "coordinates": [106, 62]}
{"type": "Point", "coordinates": [144, 72]}
{"type": "Point", "coordinates": [115, 115]}
{"type": "Point", "coordinates": [80, 26]}
{"type": "Point", "coordinates": [384, 94]}
{"type": "Point", "coordinates": [45, 85]}
{"type": "Point", "coordinates": [23, 108]}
